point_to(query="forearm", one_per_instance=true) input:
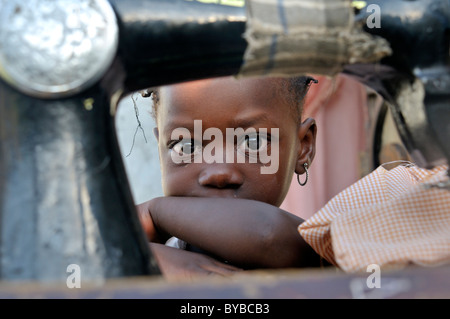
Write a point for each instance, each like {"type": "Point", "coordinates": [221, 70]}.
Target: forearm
{"type": "Point", "coordinates": [244, 232]}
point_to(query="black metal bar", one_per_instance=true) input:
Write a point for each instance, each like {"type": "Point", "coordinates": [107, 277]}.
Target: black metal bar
{"type": "Point", "coordinates": [416, 30]}
{"type": "Point", "coordinates": [163, 42]}
{"type": "Point", "coordinates": [418, 33]}
{"type": "Point", "coordinates": [64, 195]}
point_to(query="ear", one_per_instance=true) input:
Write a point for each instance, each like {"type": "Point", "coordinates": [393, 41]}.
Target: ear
{"type": "Point", "coordinates": [156, 133]}
{"type": "Point", "coordinates": [307, 132]}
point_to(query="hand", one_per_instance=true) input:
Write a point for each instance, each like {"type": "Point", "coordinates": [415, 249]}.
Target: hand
{"type": "Point", "coordinates": [177, 264]}
{"type": "Point", "coordinates": [147, 221]}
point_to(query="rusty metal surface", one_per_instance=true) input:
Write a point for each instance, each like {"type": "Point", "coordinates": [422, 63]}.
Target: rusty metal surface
{"type": "Point", "coordinates": [412, 283]}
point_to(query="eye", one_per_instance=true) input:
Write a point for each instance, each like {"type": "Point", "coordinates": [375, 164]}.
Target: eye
{"type": "Point", "coordinates": [185, 148]}
{"type": "Point", "coordinates": [252, 144]}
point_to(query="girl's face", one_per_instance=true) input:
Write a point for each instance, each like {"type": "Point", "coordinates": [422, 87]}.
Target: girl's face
{"type": "Point", "coordinates": [226, 152]}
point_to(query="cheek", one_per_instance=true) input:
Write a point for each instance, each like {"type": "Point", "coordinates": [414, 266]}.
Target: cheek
{"type": "Point", "coordinates": [175, 179]}
{"type": "Point", "coordinates": [269, 188]}
{"type": "Point", "coordinates": [178, 181]}
{"type": "Point", "coordinates": [279, 185]}
{"type": "Point", "coordinates": [287, 162]}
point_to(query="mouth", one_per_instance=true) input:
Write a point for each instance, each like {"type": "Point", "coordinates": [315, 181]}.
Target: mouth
{"type": "Point", "coordinates": [217, 193]}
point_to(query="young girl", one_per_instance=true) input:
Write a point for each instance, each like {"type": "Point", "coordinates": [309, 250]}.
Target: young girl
{"type": "Point", "coordinates": [212, 135]}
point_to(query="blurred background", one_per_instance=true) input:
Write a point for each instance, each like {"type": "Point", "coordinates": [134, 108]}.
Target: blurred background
{"type": "Point", "coordinates": [139, 147]}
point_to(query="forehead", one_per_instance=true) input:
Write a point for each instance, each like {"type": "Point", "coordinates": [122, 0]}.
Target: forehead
{"type": "Point", "coordinates": [220, 98]}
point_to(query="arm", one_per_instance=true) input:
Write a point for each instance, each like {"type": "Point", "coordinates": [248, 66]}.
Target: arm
{"type": "Point", "coordinates": [246, 233]}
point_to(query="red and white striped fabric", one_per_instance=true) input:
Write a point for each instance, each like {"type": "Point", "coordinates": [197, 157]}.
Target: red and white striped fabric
{"type": "Point", "coordinates": [391, 218]}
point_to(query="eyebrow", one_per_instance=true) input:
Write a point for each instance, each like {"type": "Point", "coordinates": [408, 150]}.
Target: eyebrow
{"type": "Point", "coordinates": [252, 120]}
{"type": "Point", "coordinates": [171, 126]}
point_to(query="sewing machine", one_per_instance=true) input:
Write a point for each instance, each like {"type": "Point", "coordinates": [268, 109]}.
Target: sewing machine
{"type": "Point", "coordinates": [64, 194]}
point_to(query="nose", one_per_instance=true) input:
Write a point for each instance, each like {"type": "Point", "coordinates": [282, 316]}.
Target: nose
{"type": "Point", "coordinates": [221, 176]}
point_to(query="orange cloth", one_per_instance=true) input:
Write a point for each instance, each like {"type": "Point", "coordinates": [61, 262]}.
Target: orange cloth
{"type": "Point", "coordinates": [390, 218]}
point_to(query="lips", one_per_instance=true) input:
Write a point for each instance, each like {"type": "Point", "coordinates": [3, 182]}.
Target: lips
{"type": "Point", "coordinates": [217, 193]}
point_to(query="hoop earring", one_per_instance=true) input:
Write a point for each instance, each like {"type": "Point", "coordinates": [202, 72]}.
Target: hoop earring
{"type": "Point", "coordinates": [305, 165]}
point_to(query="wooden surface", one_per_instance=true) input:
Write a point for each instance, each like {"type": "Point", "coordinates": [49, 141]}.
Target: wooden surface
{"type": "Point", "coordinates": [289, 284]}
